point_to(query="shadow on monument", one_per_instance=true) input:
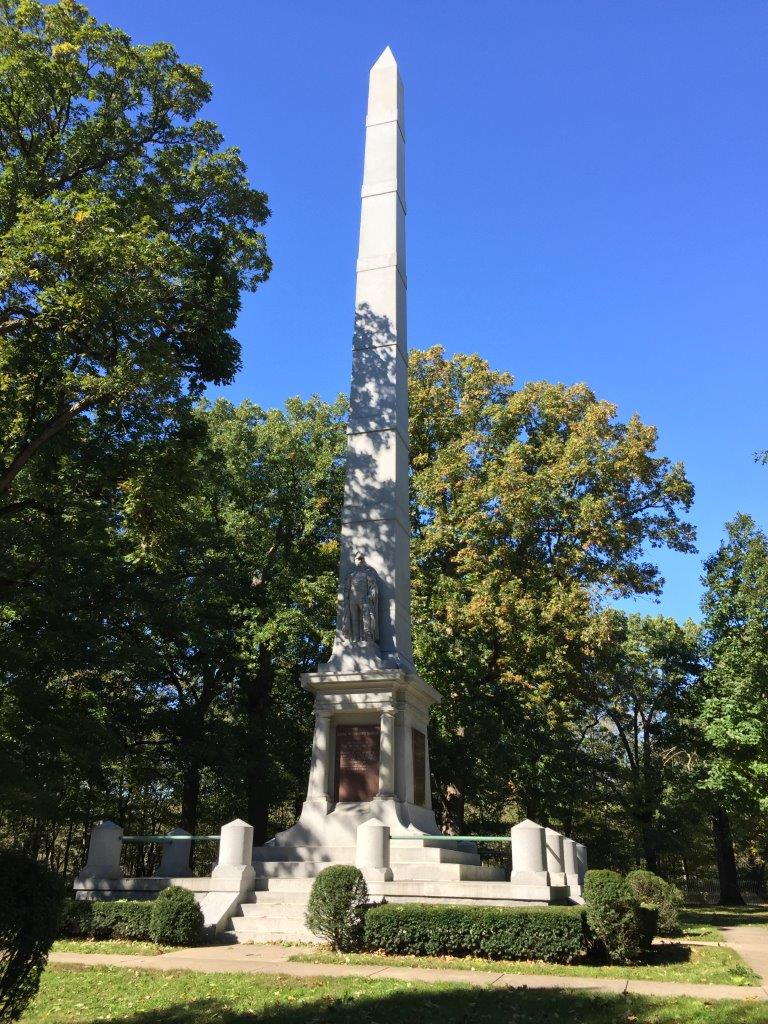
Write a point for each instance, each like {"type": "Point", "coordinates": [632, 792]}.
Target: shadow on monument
{"type": "Point", "coordinates": [350, 1003]}
{"type": "Point", "coordinates": [378, 411]}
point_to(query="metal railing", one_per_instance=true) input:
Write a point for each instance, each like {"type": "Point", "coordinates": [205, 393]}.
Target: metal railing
{"type": "Point", "coordinates": [454, 839]}
{"type": "Point", "coordinates": [166, 839]}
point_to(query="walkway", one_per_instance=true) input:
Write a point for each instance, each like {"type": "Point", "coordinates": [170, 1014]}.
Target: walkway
{"type": "Point", "coordinates": [751, 943]}
{"type": "Point", "coordinates": [268, 959]}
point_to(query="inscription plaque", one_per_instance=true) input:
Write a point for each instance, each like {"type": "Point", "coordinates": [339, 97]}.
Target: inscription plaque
{"type": "Point", "coordinates": [357, 762]}
{"type": "Point", "coordinates": [418, 745]}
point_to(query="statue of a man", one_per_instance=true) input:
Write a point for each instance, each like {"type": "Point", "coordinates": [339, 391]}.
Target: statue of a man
{"type": "Point", "coordinates": [361, 602]}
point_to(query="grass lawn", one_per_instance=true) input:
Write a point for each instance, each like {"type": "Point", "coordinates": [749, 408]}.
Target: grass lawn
{"type": "Point", "coordinates": [724, 917]}
{"type": "Point", "coordinates": [127, 947]}
{"type": "Point", "coordinates": [86, 995]}
{"type": "Point", "coordinates": [702, 965]}
{"type": "Point", "coordinates": [694, 927]}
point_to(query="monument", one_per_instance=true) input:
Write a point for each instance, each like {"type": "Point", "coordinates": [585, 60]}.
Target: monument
{"type": "Point", "coordinates": [370, 756]}
{"type": "Point", "coordinates": [368, 797]}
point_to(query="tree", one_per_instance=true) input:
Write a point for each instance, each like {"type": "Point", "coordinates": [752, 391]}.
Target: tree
{"type": "Point", "coordinates": [164, 690]}
{"type": "Point", "coordinates": [126, 234]}
{"type": "Point", "coordinates": [734, 687]}
{"type": "Point", "coordinates": [234, 555]}
{"type": "Point", "coordinates": [645, 705]}
{"type": "Point", "coordinates": [528, 507]}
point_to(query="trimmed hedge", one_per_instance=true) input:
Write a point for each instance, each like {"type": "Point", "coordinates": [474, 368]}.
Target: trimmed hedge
{"type": "Point", "coordinates": [176, 918]}
{"type": "Point", "coordinates": [337, 905]}
{"type": "Point", "coordinates": [656, 892]}
{"type": "Point", "coordinates": [613, 917]}
{"type": "Point", "coordinates": [554, 934]}
{"type": "Point", "coordinates": [107, 919]}
{"type": "Point", "coordinates": [648, 922]}
{"type": "Point", "coordinates": [30, 904]}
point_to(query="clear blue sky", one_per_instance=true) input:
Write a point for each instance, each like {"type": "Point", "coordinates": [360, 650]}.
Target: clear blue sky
{"type": "Point", "coordinates": [587, 195]}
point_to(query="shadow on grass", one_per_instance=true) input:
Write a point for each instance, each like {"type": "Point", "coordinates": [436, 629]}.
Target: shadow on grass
{"type": "Point", "coordinates": [665, 956]}
{"type": "Point", "coordinates": [461, 1006]}
{"type": "Point", "coordinates": [725, 917]}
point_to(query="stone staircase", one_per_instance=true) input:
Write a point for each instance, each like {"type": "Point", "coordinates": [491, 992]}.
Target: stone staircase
{"type": "Point", "coordinates": [422, 871]}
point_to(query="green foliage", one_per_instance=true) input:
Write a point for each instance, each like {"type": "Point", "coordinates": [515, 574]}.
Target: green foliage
{"type": "Point", "coordinates": [30, 905]}
{"type": "Point", "coordinates": [553, 934]}
{"type": "Point", "coordinates": [733, 689]}
{"type": "Point", "coordinates": [528, 507]}
{"type": "Point", "coordinates": [337, 905]}
{"type": "Point", "coordinates": [106, 919]}
{"type": "Point", "coordinates": [654, 891]}
{"type": "Point", "coordinates": [176, 918]}
{"type": "Point", "coordinates": [126, 230]}
{"type": "Point", "coordinates": [613, 917]}
{"type": "Point", "coordinates": [643, 696]}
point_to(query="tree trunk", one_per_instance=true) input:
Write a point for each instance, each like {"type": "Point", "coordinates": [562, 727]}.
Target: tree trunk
{"type": "Point", "coordinates": [190, 799]}
{"type": "Point", "coordinates": [649, 847]}
{"type": "Point", "coordinates": [258, 689]}
{"type": "Point", "coordinates": [730, 893]}
{"type": "Point", "coordinates": [452, 801]}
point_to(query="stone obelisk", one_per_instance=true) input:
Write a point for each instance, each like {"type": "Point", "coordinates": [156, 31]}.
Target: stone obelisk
{"type": "Point", "coordinates": [375, 529]}
{"type": "Point", "coordinates": [370, 756]}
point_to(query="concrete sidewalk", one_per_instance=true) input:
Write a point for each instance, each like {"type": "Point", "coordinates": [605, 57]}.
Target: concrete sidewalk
{"type": "Point", "coordinates": [270, 959]}
{"type": "Point", "coordinates": [751, 943]}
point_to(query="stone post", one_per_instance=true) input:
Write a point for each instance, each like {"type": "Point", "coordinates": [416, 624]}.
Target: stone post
{"type": "Point", "coordinates": [555, 867]}
{"type": "Point", "coordinates": [174, 862]}
{"type": "Point", "coordinates": [570, 863]}
{"type": "Point", "coordinates": [581, 860]}
{"type": "Point", "coordinates": [235, 852]}
{"type": "Point", "coordinates": [104, 848]}
{"type": "Point", "coordinates": [529, 859]}
{"type": "Point", "coordinates": [387, 754]}
{"type": "Point", "coordinates": [372, 850]}
{"type": "Point", "coordinates": [319, 770]}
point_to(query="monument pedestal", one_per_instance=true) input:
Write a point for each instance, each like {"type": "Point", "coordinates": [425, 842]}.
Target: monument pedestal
{"type": "Point", "coordinates": [369, 760]}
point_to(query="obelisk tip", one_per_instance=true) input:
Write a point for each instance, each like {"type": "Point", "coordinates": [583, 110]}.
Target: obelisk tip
{"type": "Point", "coordinates": [386, 58]}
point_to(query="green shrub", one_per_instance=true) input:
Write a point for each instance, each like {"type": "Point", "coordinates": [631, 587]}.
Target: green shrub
{"type": "Point", "coordinates": [30, 904]}
{"type": "Point", "coordinates": [176, 918]}
{"type": "Point", "coordinates": [76, 921]}
{"type": "Point", "coordinates": [337, 905]}
{"type": "Point", "coordinates": [667, 898]}
{"type": "Point", "coordinates": [613, 917]}
{"type": "Point", "coordinates": [123, 919]}
{"type": "Point", "coordinates": [555, 934]}
{"type": "Point", "coordinates": [648, 919]}
{"type": "Point", "coordinates": [107, 919]}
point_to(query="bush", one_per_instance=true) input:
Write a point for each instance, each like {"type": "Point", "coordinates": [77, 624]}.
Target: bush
{"type": "Point", "coordinates": [110, 919]}
{"type": "Point", "coordinates": [336, 907]}
{"type": "Point", "coordinates": [655, 892]}
{"type": "Point", "coordinates": [176, 918]}
{"type": "Point", "coordinates": [555, 934]}
{"type": "Point", "coordinates": [648, 919]}
{"type": "Point", "coordinates": [613, 917]}
{"type": "Point", "coordinates": [76, 920]}
{"type": "Point", "coordinates": [30, 904]}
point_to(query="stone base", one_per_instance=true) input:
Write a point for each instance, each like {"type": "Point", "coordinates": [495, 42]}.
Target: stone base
{"type": "Point", "coordinates": [528, 878]}
{"type": "Point", "coordinates": [324, 824]}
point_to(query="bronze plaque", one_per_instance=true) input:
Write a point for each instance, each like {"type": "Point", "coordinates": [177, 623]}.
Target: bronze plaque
{"type": "Point", "coordinates": [357, 762]}
{"type": "Point", "coordinates": [418, 745]}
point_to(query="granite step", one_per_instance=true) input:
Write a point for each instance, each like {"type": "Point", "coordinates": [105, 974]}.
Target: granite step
{"type": "Point", "coordinates": [412, 853]}
{"type": "Point", "coordinates": [266, 930]}
{"type": "Point", "coordinates": [313, 854]}
{"type": "Point", "coordinates": [438, 872]}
